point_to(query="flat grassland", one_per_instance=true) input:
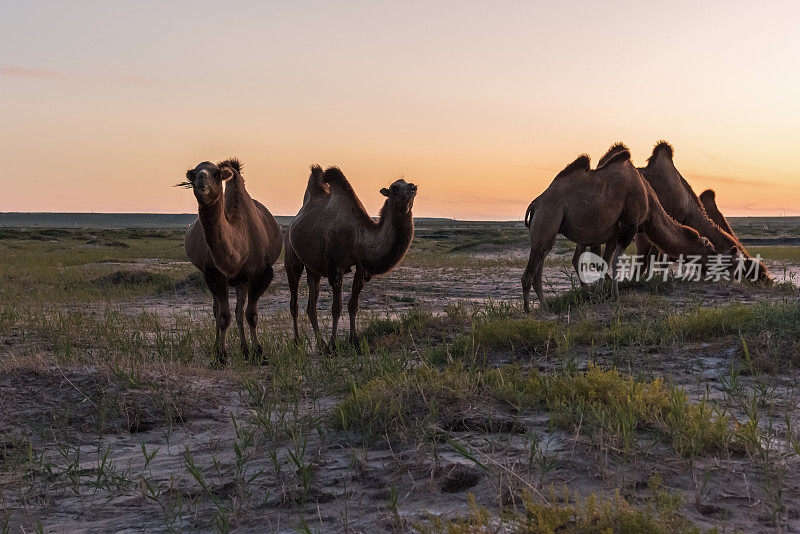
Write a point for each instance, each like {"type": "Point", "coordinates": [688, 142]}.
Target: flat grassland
{"type": "Point", "coordinates": [672, 409]}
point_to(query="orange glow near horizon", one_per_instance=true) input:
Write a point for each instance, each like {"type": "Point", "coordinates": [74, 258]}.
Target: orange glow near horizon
{"type": "Point", "coordinates": [105, 106]}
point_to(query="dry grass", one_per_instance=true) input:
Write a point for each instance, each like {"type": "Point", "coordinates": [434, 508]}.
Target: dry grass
{"type": "Point", "coordinates": [117, 415]}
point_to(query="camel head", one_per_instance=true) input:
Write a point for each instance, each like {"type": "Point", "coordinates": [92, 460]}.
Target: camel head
{"type": "Point", "coordinates": [206, 180]}
{"type": "Point", "coordinates": [753, 269]}
{"type": "Point", "coordinates": [401, 195]}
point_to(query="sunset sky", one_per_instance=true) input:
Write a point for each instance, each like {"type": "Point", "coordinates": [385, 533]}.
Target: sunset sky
{"type": "Point", "coordinates": [104, 105]}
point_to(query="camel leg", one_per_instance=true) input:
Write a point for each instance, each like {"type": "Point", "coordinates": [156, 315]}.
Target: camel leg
{"type": "Point", "coordinates": [610, 257]}
{"type": "Point", "coordinates": [645, 249]}
{"type": "Point", "coordinates": [254, 292]}
{"type": "Point", "coordinates": [579, 249]}
{"type": "Point", "coordinates": [544, 228]}
{"type": "Point", "coordinates": [294, 269]}
{"type": "Point", "coordinates": [218, 286]}
{"type": "Point", "coordinates": [241, 297]}
{"type": "Point", "coordinates": [618, 244]}
{"type": "Point", "coordinates": [215, 308]}
{"type": "Point", "coordinates": [335, 281]}
{"type": "Point", "coordinates": [533, 276]}
{"type": "Point", "coordinates": [527, 279]}
{"type": "Point", "coordinates": [313, 295]}
{"type": "Point", "coordinates": [597, 250]}
{"type": "Point", "coordinates": [352, 305]}
{"type": "Point", "coordinates": [537, 283]}
{"type": "Point", "coordinates": [619, 249]}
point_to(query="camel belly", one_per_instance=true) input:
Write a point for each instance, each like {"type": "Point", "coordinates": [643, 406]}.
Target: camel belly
{"type": "Point", "coordinates": [308, 244]}
{"type": "Point", "coordinates": [590, 226]}
{"type": "Point", "coordinates": [195, 246]}
{"type": "Point", "coordinates": [588, 238]}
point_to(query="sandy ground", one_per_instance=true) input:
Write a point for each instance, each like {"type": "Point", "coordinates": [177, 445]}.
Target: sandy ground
{"type": "Point", "coordinates": [353, 486]}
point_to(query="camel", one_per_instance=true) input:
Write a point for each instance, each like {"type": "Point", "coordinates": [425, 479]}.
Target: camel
{"type": "Point", "coordinates": [680, 201]}
{"type": "Point", "coordinates": [606, 205]}
{"type": "Point", "coordinates": [709, 200]}
{"type": "Point", "coordinates": [333, 233]}
{"type": "Point", "coordinates": [234, 242]}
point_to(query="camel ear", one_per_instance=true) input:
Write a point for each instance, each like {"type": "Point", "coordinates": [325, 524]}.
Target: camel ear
{"type": "Point", "coordinates": [735, 252]}
{"type": "Point", "coordinates": [226, 173]}
{"type": "Point", "coordinates": [385, 192]}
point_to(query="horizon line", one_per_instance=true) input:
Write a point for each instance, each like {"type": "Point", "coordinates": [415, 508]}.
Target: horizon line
{"type": "Point", "coordinates": [778, 215]}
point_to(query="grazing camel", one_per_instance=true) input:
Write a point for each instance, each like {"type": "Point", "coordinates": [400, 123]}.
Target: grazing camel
{"type": "Point", "coordinates": [606, 205]}
{"type": "Point", "coordinates": [234, 242]}
{"type": "Point", "coordinates": [709, 200]}
{"type": "Point", "coordinates": [681, 202]}
{"type": "Point", "coordinates": [333, 233]}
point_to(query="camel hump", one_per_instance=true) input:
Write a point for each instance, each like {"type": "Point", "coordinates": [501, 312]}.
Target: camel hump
{"type": "Point", "coordinates": [620, 156]}
{"type": "Point", "coordinates": [335, 180]}
{"type": "Point", "coordinates": [581, 163]}
{"type": "Point", "coordinates": [315, 181]}
{"type": "Point", "coordinates": [233, 163]}
{"type": "Point", "coordinates": [615, 151]}
{"type": "Point", "coordinates": [662, 147]}
{"type": "Point", "coordinates": [316, 187]}
{"type": "Point", "coordinates": [334, 176]}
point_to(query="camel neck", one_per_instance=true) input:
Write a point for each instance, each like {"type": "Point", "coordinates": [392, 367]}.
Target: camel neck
{"type": "Point", "coordinates": [388, 241]}
{"type": "Point", "coordinates": [721, 240]}
{"type": "Point", "coordinates": [217, 232]}
{"type": "Point", "coordinates": [671, 237]}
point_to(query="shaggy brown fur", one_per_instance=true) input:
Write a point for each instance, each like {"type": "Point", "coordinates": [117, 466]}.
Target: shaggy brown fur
{"type": "Point", "coordinates": [234, 242]}
{"type": "Point", "coordinates": [333, 233]}
{"type": "Point", "coordinates": [681, 202]}
{"type": "Point", "coordinates": [662, 147]}
{"type": "Point", "coordinates": [613, 150]}
{"type": "Point", "coordinates": [581, 163]}
{"type": "Point", "coordinates": [606, 205]}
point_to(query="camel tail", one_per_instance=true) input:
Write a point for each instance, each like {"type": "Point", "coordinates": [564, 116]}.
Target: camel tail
{"type": "Point", "coordinates": [529, 213]}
